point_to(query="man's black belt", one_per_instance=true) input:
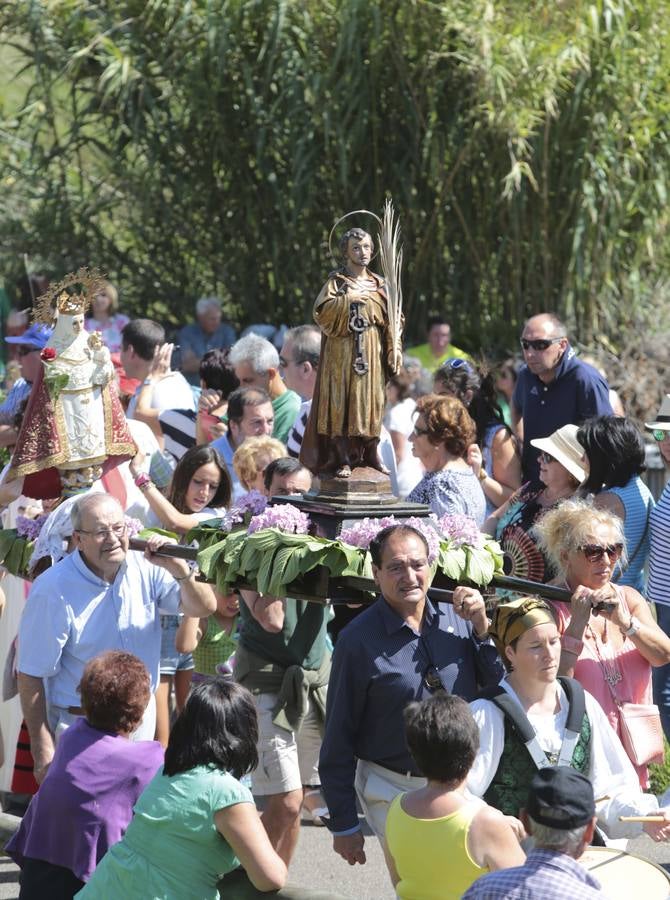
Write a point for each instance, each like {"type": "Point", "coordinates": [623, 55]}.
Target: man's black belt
{"type": "Point", "coordinates": [397, 771]}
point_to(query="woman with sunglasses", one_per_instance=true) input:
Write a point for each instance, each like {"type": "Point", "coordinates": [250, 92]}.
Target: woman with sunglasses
{"type": "Point", "coordinates": [561, 472]}
{"type": "Point", "coordinates": [609, 640]}
{"type": "Point", "coordinates": [493, 457]}
{"type": "Point", "coordinates": [658, 582]}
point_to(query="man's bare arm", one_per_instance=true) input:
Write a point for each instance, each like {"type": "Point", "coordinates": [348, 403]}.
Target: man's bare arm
{"type": "Point", "coordinates": [34, 707]}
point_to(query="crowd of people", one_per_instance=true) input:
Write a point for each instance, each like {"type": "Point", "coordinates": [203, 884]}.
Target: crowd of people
{"type": "Point", "coordinates": [158, 708]}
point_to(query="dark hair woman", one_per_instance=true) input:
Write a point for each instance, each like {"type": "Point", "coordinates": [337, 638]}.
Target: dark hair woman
{"type": "Point", "coordinates": [443, 431]}
{"type": "Point", "coordinates": [196, 821]}
{"type": "Point", "coordinates": [86, 800]}
{"type": "Point", "coordinates": [200, 486]}
{"type": "Point", "coordinates": [434, 835]}
{"type": "Point", "coordinates": [494, 459]}
{"type": "Point", "coordinates": [615, 453]}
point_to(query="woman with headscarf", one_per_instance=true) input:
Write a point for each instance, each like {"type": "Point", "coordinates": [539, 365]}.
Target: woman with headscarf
{"type": "Point", "coordinates": [533, 719]}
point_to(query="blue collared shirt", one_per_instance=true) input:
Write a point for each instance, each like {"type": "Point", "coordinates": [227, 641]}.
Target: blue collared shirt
{"type": "Point", "coordinates": [192, 337]}
{"type": "Point", "coordinates": [546, 875]}
{"type": "Point", "coordinates": [577, 393]}
{"type": "Point", "coordinates": [71, 615]}
{"type": "Point", "coordinates": [379, 666]}
{"type": "Point", "coordinates": [225, 450]}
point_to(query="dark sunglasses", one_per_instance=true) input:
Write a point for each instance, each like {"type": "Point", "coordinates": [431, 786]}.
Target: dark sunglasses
{"type": "Point", "coordinates": [594, 552]}
{"type": "Point", "coordinates": [660, 435]}
{"type": "Point", "coordinates": [432, 680]}
{"type": "Point", "coordinates": [420, 431]}
{"type": "Point", "coordinates": [545, 458]}
{"type": "Point", "coordinates": [542, 344]}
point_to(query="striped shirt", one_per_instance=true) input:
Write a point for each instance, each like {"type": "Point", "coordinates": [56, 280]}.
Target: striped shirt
{"type": "Point", "coordinates": [638, 505]}
{"type": "Point", "coordinates": [298, 431]}
{"type": "Point", "coordinates": [178, 427]}
{"type": "Point", "coordinates": [658, 584]}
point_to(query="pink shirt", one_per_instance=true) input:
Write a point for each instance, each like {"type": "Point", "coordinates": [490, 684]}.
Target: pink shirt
{"type": "Point", "coordinates": [635, 684]}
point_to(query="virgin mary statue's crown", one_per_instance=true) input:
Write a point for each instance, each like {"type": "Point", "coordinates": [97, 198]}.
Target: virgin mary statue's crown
{"type": "Point", "coordinates": [71, 296]}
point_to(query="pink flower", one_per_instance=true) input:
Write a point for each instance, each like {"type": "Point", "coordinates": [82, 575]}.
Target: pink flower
{"type": "Point", "coordinates": [252, 504]}
{"type": "Point", "coordinates": [30, 528]}
{"type": "Point", "coordinates": [460, 529]}
{"type": "Point", "coordinates": [284, 517]}
{"type": "Point", "coordinates": [361, 533]}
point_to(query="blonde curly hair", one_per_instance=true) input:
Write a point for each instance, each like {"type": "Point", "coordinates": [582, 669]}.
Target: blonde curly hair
{"type": "Point", "coordinates": [248, 454]}
{"type": "Point", "coordinates": [569, 526]}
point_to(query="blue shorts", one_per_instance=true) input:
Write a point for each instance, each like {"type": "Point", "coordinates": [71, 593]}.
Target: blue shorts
{"type": "Point", "coordinates": [171, 661]}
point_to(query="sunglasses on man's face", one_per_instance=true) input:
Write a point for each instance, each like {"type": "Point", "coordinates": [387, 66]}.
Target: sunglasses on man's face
{"type": "Point", "coordinates": [595, 552]}
{"type": "Point", "coordinates": [660, 434]}
{"type": "Point", "coordinates": [541, 344]}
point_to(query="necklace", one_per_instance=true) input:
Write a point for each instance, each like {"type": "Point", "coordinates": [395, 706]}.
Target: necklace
{"type": "Point", "coordinates": [608, 660]}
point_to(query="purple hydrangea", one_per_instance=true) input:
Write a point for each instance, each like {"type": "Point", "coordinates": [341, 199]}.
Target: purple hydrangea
{"type": "Point", "coordinates": [284, 517]}
{"type": "Point", "coordinates": [460, 529]}
{"type": "Point", "coordinates": [134, 526]}
{"type": "Point", "coordinates": [361, 533]}
{"type": "Point", "coordinates": [251, 504]}
{"type": "Point", "coordinates": [30, 528]}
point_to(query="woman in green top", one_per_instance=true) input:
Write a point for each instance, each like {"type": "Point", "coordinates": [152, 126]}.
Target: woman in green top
{"type": "Point", "coordinates": [195, 821]}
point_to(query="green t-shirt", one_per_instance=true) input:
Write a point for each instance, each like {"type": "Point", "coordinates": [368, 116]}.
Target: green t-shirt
{"type": "Point", "coordinates": [425, 355]}
{"type": "Point", "coordinates": [172, 849]}
{"type": "Point", "coordinates": [301, 642]}
{"type": "Point", "coordinates": [286, 407]}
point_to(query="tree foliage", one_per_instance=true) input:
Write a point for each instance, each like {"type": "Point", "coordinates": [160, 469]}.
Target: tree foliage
{"type": "Point", "coordinates": [206, 146]}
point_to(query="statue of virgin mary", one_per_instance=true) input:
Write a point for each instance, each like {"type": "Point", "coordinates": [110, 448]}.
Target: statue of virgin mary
{"type": "Point", "coordinates": [74, 429]}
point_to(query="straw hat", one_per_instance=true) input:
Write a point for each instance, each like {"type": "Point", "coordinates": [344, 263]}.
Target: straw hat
{"type": "Point", "coordinates": [564, 447]}
{"type": "Point", "coordinates": [662, 422]}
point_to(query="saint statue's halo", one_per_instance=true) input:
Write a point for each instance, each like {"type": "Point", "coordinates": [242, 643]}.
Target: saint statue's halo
{"type": "Point", "coordinates": [356, 212]}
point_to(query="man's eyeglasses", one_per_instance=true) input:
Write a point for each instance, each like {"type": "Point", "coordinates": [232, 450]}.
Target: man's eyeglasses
{"type": "Point", "coordinates": [432, 679]}
{"type": "Point", "coordinates": [659, 434]}
{"type": "Point", "coordinates": [99, 535]}
{"type": "Point", "coordinates": [24, 351]}
{"type": "Point", "coordinates": [594, 552]}
{"type": "Point", "coordinates": [541, 344]}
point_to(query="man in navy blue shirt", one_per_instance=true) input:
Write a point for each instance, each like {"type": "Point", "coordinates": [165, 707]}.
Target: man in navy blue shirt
{"type": "Point", "coordinates": [554, 388]}
{"type": "Point", "coordinates": [399, 650]}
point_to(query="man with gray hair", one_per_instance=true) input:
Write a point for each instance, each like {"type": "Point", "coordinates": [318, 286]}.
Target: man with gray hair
{"type": "Point", "coordinates": [560, 816]}
{"type": "Point", "coordinates": [255, 362]}
{"type": "Point", "coordinates": [98, 598]}
{"type": "Point", "coordinates": [208, 332]}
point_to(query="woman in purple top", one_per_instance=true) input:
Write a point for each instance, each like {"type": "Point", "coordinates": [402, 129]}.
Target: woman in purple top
{"type": "Point", "coordinates": [86, 801]}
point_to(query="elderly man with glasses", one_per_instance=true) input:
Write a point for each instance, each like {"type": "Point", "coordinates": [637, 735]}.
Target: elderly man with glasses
{"type": "Point", "coordinates": [554, 388]}
{"type": "Point", "coordinates": [98, 598]}
{"type": "Point", "coordinates": [400, 649]}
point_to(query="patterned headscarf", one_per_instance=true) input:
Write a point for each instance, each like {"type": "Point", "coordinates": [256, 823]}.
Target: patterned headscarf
{"type": "Point", "coordinates": [515, 617]}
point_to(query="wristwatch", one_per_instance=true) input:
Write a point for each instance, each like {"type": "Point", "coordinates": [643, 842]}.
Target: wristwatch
{"type": "Point", "coordinates": [633, 628]}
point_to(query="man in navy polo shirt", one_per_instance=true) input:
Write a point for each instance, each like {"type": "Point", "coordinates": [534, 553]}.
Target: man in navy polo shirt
{"type": "Point", "coordinates": [554, 388]}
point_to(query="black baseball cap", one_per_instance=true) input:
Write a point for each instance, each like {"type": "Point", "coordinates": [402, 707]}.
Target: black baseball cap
{"type": "Point", "coordinates": [560, 798]}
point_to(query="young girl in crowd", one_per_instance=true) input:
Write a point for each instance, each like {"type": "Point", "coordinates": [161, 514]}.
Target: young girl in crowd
{"type": "Point", "coordinates": [200, 490]}
{"type": "Point", "coordinates": [195, 821]}
{"type": "Point", "coordinates": [212, 641]}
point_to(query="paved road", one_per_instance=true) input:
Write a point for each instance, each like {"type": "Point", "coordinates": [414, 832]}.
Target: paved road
{"type": "Point", "coordinates": [317, 869]}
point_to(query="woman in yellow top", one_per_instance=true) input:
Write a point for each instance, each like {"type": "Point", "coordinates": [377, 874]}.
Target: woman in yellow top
{"type": "Point", "coordinates": [438, 841]}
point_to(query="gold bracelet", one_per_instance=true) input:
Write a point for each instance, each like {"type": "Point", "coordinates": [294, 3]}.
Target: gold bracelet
{"type": "Point", "coordinates": [483, 474]}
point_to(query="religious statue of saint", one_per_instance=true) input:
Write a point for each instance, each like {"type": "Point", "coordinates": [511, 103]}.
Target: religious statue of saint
{"type": "Point", "coordinates": [358, 355]}
{"type": "Point", "coordinates": [74, 428]}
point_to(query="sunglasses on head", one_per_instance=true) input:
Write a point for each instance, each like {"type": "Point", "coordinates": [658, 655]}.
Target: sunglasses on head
{"type": "Point", "coordinates": [659, 434]}
{"type": "Point", "coordinates": [432, 680]}
{"type": "Point", "coordinates": [594, 552]}
{"type": "Point", "coordinates": [541, 344]}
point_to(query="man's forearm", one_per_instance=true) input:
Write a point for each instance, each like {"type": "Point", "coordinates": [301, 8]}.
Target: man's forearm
{"type": "Point", "coordinates": [34, 707]}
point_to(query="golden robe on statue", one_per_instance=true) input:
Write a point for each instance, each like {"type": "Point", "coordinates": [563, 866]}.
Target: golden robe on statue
{"type": "Point", "coordinates": [357, 359]}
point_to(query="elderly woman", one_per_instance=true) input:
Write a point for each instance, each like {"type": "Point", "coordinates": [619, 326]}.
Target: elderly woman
{"type": "Point", "coordinates": [195, 821]}
{"type": "Point", "coordinates": [615, 454]}
{"type": "Point", "coordinates": [253, 456]}
{"type": "Point", "coordinates": [535, 719]}
{"type": "Point", "coordinates": [97, 774]}
{"type": "Point", "coordinates": [443, 431]}
{"type": "Point", "coordinates": [561, 471]}
{"type": "Point", "coordinates": [609, 638]}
